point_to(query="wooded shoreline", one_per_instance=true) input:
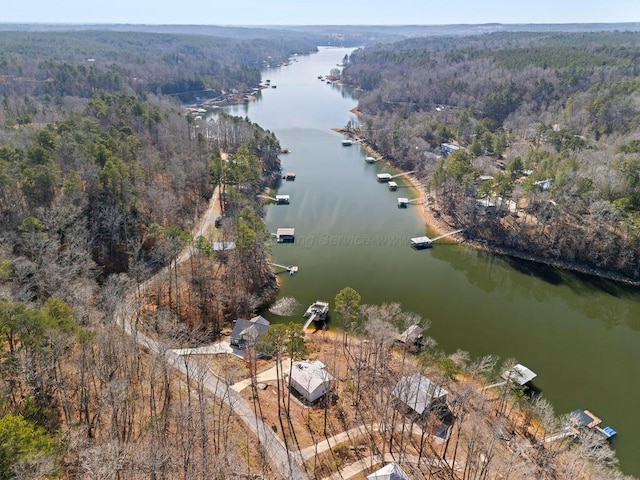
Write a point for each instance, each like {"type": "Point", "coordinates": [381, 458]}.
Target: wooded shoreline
{"type": "Point", "coordinates": [439, 225]}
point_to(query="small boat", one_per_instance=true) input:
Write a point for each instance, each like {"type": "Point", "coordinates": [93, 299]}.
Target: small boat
{"type": "Point", "coordinates": [347, 143]}
{"type": "Point", "coordinates": [274, 86]}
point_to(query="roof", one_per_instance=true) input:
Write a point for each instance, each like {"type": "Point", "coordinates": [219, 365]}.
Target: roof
{"type": "Point", "coordinates": [418, 392]}
{"type": "Point", "coordinates": [519, 374]}
{"type": "Point", "coordinates": [383, 175]}
{"type": "Point", "coordinates": [285, 232]}
{"type": "Point", "coordinates": [389, 472]}
{"type": "Point", "coordinates": [249, 329]}
{"type": "Point", "coordinates": [310, 374]}
{"type": "Point", "coordinates": [420, 240]}
{"type": "Point", "coordinates": [411, 334]}
{"type": "Point", "coordinates": [219, 246]}
{"type": "Point", "coordinates": [282, 197]}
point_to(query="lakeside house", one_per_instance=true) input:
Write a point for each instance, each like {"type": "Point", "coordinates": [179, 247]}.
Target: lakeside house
{"type": "Point", "coordinates": [419, 394]}
{"type": "Point", "coordinates": [310, 379]}
{"type": "Point", "coordinates": [246, 332]}
{"type": "Point", "coordinates": [391, 471]}
{"type": "Point", "coordinates": [448, 148]}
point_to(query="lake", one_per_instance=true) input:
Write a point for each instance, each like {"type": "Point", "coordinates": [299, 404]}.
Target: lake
{"type": "Point", "coordinates": [580, 334]}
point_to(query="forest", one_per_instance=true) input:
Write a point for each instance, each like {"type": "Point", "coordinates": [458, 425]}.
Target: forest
{"type": "Point", "coordinates": [545, 133]}
{"type": "Point", "coordinates": [102, 178]}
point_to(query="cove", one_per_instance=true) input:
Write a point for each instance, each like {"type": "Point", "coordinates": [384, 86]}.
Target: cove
{"type": "Point", "coordinates": [580, 334]}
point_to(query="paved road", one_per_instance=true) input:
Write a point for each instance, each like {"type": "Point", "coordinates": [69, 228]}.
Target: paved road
{"type": "Point", "coordinates": [289, 464]}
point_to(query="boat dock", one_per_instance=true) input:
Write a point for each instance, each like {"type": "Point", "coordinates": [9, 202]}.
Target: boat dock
{"type": "Point", "coordinates": [586, 419]}
{"type": "Point", "coordinates": [393, 186]}
{"type": "Point", "coordinates": [370, 160]}
{"type": "Point", "coordinates": [282, 199]}
{"type": "Point", "coordinates": [292, 269]}
{"type": "Point", "coordinates": [285, 235]}
{"type": "Point", "coordinates": [289, 176]}
{"type": "Point", "coordinates": [425, 242]}
{"type": "Point", "coordinates": [404, 202]}
{"type": "Point", "coordinates": [317, 312]}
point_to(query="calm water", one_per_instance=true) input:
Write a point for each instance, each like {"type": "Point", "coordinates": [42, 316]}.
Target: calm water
{"type": "Point", "coordinates": [580, 335]}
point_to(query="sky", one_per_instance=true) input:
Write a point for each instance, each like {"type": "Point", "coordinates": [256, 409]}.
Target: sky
{"type": "Point", "coordinates": [319, 12]}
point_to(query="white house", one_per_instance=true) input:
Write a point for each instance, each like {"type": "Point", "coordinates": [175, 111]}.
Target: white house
{"type": "Point", "coordinates": [389, 472]}
{"type": "Point", "coordinates": [310, 379]}
{"type": "Point", "coordinates": [418, 393]}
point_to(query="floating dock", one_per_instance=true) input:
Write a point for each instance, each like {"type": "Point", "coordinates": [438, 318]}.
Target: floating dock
{"type": "Point", "coordinates": [370, 160]}
{"type": "Point", "coordinates": [282, 199]}
{"type": "Point", "coordinates": [384, 177]}
{"type": "Point", "coordinates": [346, 143]}
{"type": "Point", "coordinates": [403, 202]}
{"type": "Point", "coordinates": [286, 235]}
{"type": "Point", "coordinates": [393, 186]}
{"type": "Point", "coordinates": [289, 176]}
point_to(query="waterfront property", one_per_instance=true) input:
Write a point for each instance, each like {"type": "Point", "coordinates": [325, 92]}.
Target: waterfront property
{"type": "Point", "coordinates": [246, 332]}
{"type": "Point", "coordinates": [286, 235]}
{"type": "Point", "coordinates": [419, 394]}
{"type": "Point", "coordinates": [310, 379]}
{"type": "Point", "coordinates": [519, 374]}
{"type": "Point", "coordinates": [391, 471]}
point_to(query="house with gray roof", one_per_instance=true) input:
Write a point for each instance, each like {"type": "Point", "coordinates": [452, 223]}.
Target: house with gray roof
{"type": "Point", "coordinates": [246, 332]}
{"type": "Point", "coordinates": [419, 394]}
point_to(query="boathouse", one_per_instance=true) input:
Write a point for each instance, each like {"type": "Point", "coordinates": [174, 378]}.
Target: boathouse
{"type": "Point", "coordinates": [384, 177]}
{"type": "Point", "coordinates": [282, 199]}
{"type": "Point", "coordinates": [370, 159]}
{"type": "Point", "coordinates": [310, 379]}
{"type": "Point", "coordinates": [393, 186]}
{"type": "Point", "coordinates": [411, 336]}
{"type": "Point", "coordinates": [289, 176]}
{"type": "Point", "coordinates": [420, 242]}
{"type": "Point", "coordinates": [389, 472]}
{"type": "Point", "coordinates": [419, 394]}
{"type": "Point", "coordinates": [403, 202]}
{"type": "Point", "coordinates": [286, 235]}
{"type": "Point", "coordinates": [246, 332]}
{"type": "Point", "coordinates": [519, 374]}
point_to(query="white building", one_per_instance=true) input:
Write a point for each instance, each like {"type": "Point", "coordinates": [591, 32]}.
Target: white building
{"type": "Point", "coordinates": [310, 379]}
{"type": "Point", "coordinates": [389, 472]}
